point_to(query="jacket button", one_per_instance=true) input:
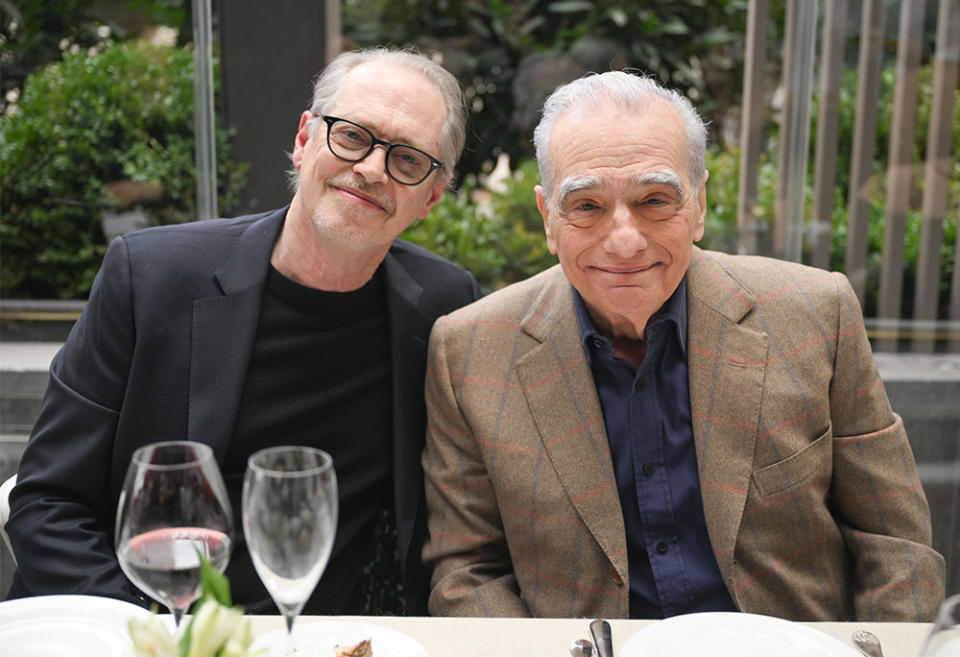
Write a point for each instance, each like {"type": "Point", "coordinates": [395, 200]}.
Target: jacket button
{"type": "Point", "coordinates": [662, 547]}
{"type": "Point", "coordinates": [615, 576]}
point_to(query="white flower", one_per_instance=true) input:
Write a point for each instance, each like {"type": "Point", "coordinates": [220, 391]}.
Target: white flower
{"type": "Point", "coordinates": [215, 631]}
{"type": "Point", "coordinates": [151, 639]}
{"type": "Point", "coordinates": [213, 626]}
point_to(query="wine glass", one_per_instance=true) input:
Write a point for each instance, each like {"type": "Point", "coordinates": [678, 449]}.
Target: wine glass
{"type": "Point", "coordinates": [290, 511]}
{"type": "Point", "coordinates": [173, 508]}
{"type": "Point", "coordinates": [944, 637]}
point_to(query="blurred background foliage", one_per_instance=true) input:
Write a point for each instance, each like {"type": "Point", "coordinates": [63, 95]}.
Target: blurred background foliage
{"type": "Point", "coordinates": [103, 130]}
{"type": "Point", "coordinates": [508, 54]}
{"type": "Point", "coordinates": [93, 125]}
{"type": "Point", "coordinates": [496, 234]}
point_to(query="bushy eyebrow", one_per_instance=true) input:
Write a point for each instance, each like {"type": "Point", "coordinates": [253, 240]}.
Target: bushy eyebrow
{"type": "Point", "coordinates": [575, 184]}
{"type": "Point", "coordinates": [578, 183]}
{"type": "Point", "coordinates": [665, 177]}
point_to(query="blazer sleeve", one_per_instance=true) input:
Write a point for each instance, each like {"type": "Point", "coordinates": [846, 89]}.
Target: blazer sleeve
{"type": "Point", "coordinates": [876, 493]}
{"type": "Point", "coordinates": [62, 510]}
{"type": "Point", "coordinates": [467, 549]}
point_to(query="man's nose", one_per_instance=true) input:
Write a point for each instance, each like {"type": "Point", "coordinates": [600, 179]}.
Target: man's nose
{"type": "Point", "coordinates": [373, 167]}
{"type": "Point", "coordinates": [625, 236]}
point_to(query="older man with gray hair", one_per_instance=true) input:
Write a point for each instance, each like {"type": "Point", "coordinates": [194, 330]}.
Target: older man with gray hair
{"type": "Point", "coordinates": [649, 429]}
{"type": "Point", "coordinates": [305, 325]}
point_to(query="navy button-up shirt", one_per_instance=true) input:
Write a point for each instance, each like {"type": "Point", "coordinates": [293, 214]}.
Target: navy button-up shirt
{"type": "Point", "coordinates": [647, 414]}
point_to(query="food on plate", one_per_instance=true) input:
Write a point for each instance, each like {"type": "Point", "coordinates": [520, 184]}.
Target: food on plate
{"type": "Point", "coordinates": [362, 649]}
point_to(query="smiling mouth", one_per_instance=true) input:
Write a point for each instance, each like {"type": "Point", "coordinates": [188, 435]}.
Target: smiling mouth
{"type": "Point", "coordinates": [625, 271]}
{"type": "Point", "coordinates": [356, 195]}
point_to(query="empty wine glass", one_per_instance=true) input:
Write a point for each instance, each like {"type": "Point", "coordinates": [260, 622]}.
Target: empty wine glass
{"type": "Point", "coordinates": [944, 637]}
{"type": "Point", "coordinates": [289, 520]}
{"type": "Point", "coordinates": [173, 508]}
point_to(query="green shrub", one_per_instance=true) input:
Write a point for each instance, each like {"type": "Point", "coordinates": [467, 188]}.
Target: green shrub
{"type": "Point", "coordinates": [721, 231]}
{"type": "Point", "coordinates": [722, 188]}
{"type": "Point", "coordinates": [125, 113]}
{"type": "Point", "coordinates": [496, 235]}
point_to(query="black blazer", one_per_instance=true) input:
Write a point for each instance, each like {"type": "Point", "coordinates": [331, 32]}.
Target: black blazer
{"type": "Point", "coordinates": [161, 353]}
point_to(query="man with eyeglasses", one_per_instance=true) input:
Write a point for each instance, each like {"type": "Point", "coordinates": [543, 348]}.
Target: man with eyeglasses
{"type": "Point", "coordinates": [305, 325]}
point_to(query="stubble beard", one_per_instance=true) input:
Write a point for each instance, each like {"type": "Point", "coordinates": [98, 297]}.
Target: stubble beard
{"type": "Point", "coordinates": [351, 224]}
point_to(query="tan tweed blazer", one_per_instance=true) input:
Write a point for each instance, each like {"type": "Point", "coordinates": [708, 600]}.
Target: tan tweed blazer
{"type": "Point", "coordinates": [812, 501]}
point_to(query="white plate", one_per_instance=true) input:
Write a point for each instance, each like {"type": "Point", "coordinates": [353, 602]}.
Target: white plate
{"type": "Point", "coordinates": [319, 639]}
{"type": "Point", "coordinates": [727, 634]}
{"type": "Point", "coordinates": [67, 626]}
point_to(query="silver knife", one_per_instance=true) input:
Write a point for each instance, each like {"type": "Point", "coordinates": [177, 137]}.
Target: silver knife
{"type": "Point", "coordinates": [602, 637]}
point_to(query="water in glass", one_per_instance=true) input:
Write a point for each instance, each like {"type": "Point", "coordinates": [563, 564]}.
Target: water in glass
{"type": "Point", "coordinates": [173, 508]}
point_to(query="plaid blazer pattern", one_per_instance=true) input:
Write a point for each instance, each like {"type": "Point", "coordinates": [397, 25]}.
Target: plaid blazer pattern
{"type": "Point", "coordinates": [812, 501]}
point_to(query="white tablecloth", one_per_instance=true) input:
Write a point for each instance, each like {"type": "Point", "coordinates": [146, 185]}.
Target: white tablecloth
{"type": "Point", "coordinates": [506, 637]}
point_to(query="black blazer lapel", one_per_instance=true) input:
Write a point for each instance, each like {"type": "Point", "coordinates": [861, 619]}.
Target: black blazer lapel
{"type": "Point", "coordinates": [409, 332]}
{"type": "Point", "coordinates": [223, 331]}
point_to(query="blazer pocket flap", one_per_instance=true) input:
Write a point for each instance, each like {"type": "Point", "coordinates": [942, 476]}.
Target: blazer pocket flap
{"type": "Point", "coordinates": [796, 468]}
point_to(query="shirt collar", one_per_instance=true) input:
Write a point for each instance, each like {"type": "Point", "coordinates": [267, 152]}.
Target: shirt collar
{"type": "Point", "coordinates": [674, 311]}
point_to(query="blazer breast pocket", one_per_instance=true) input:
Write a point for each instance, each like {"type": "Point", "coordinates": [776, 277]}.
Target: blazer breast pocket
{"type": "Point", "coordinates": [797, 468]}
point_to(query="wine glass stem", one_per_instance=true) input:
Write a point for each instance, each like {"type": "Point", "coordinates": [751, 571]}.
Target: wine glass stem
{"type": "Point", "coordinates": [288, 644]}
{"type": "Point", "coordinates": [177, 615]}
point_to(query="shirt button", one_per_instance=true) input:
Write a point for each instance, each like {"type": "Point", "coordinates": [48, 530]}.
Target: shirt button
{"type": "Point", "coordinates": [598, 343]}
{"type": "Point", "coordinates": [662, 547]}
{"type": "Point", "coordinates": [640, 385]}
{"type": "Point", "coordinates": [648, 469]}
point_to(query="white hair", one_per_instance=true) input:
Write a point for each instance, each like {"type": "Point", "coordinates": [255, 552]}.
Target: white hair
{"type": "Point", "coordinates": [631, 92]}
{"type": "Point", "coordinates": [331, 79]}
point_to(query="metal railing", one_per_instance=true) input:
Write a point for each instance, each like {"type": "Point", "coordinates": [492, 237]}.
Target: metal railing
{"type": "Point", "coordinates": [793, 221]}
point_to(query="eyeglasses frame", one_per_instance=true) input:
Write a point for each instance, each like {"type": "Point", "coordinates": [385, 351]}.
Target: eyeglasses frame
{"type": "Point", "coordinates": [434, 162]}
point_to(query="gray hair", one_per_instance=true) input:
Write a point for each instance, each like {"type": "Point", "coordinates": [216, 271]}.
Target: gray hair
{"type": "Point", "coordinates": [629, 91]}
{"type": "Point", "coordinates": [330, 81]}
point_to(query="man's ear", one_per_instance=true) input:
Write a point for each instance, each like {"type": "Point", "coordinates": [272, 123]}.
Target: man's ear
{"type": "Point", "coordinates": [300, 141]}
{"type": "Point", "coordinates": [435, 195]}
{"type": "Point", "coordinates": [544, 206]}
{"type": "Point", "coordinates": [702, 210]}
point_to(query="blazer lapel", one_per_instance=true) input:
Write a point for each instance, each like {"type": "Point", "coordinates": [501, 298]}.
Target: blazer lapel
{"type": "Point", "coordinates": [224, 328]}
{"type": "Point", "coordinates": [726, 363]}
{"type": "Point", "coordinates": [562, 397]}
{"type": "Point", "coordinates": [409, 330]}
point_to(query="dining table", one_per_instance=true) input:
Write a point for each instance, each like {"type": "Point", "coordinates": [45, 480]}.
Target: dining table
{"type": "Point", "coordinates": [551, 637]}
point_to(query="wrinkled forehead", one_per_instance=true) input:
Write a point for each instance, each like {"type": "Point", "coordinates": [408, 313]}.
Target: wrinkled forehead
{"type": "Point", "coordinates": [600, 144]}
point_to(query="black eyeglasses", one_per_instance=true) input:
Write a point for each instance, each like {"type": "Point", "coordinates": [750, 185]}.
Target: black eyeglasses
{"type": "Point", "coordinates": [352, 142]}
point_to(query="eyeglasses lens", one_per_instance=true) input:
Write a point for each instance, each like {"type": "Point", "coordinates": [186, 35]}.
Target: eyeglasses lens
{"type": "Point", "coordinates": [407, 164]}
{"type": "Point", "coordinates": [353, 143]}
{"type": "Point", "coordinates": [349, 141]}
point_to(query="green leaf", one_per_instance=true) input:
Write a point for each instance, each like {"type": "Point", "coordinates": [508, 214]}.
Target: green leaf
{"type": "Point", "coordinates": [215, 584]}
{"type": "Point", "coordinates": [570, 6]}
{"type": "Point", "coordinates": [532, 25]}
{"type": "Point", "coordinates": [185, 640]}
{"type": "Point", "coordinates": [674, 26]}
{"type": "Point", "coordinates": [618, 16]}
